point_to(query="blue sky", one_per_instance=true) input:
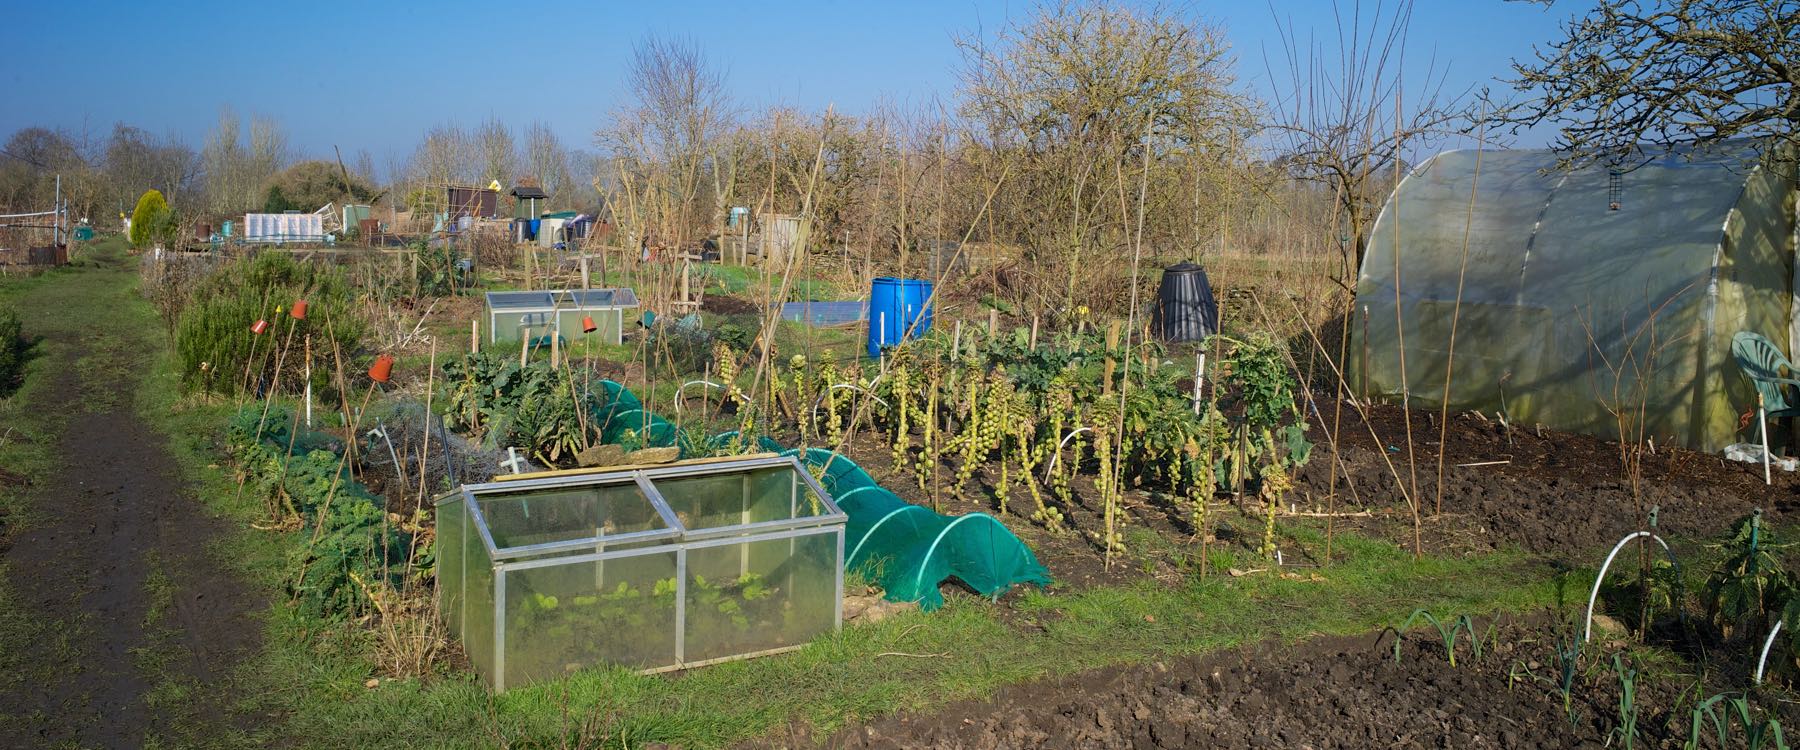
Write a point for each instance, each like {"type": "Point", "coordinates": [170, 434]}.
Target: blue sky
{"type": "Point", "coordinates": [374, 76]}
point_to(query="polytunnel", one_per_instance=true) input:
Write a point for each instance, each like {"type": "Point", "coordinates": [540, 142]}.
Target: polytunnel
{"type": "Point", "coordinates": [1586, 294]}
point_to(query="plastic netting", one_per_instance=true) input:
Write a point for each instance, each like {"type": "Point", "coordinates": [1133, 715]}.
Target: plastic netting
{"type": "Point", "coordinates": [906, 549]}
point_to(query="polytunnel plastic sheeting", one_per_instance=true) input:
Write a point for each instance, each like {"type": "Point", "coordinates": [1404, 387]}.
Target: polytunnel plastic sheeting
{"type": "Point", "coordinates": [906, 549]}
{"type": "Point", "coordinates": [1571, 312]}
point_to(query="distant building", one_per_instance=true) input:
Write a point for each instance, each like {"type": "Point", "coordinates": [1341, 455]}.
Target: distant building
{"type": "Point", "coordinates": [529, 203]}
{"type": "Point", "coordinates": [478, 202]}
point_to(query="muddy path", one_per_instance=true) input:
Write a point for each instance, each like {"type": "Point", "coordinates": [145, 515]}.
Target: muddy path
{"type": "Point", "coordinates": [135, 625]}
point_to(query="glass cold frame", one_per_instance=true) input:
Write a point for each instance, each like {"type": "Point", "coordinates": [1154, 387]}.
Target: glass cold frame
{"type": "Point", "coordinates": [653, 569]}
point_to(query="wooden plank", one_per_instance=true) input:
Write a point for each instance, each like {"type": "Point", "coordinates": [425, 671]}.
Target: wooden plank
{"type": "Point", "coordinates": [622, 468]}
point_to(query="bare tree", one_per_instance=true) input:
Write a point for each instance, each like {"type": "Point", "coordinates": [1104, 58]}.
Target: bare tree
{"type": "Point", "coordinates": [137, 160]}
{"type": "Point", "coordinates": [1350, 120]}
{"type": "Point", "coordinates": [1666, 72]}
{"type": "Point", "coordinates": [1078, 92]}
{"type": "Point", "coordinates": [662, 141]}
{"type": "Point", "coordinates": [499, 154]}
{"type": "Point", "coordinates": [235, 176]}
{"type": "Point", "coordinates": [442, 158]}
{"type": "Point", "coordinates": [548, 161]}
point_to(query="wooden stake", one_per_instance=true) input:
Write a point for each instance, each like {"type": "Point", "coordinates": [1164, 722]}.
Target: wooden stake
{"type": "Point", "coordinates": [1112, 343]}
{"type": "Point", "coordinates": [474, 335]}
{"type": "Point", "coordinates": [425, 449]}
{"type": "Point", "coordinates": [275, 381]}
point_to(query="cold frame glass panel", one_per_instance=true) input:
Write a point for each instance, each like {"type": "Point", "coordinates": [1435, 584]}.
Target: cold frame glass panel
{"type": "Point", "coordinates": [517, 300]}
{"type": "Point", "coordinates": [450, 518]}
{"type": "Point", "coordinates": [572, 616]}
{"type": "Point", "coordinates": [561, 514]}
{"type": "Point", "coordinates": [712, 501]}
{"type": "Point", "coordinates": [747, 597]}
{"type": "Point", "coordinates": [477, 619]}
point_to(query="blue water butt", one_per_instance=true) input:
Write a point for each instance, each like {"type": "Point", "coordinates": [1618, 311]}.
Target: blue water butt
{"type": "Point", "coordinates": [894, 304]}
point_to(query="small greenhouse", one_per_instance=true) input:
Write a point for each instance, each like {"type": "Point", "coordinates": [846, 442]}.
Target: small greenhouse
{"type": "Point", "coordinates": [515, 315]}
{"type": "Point", "coordinates": [1585, 293]}
{"type": "Point", "coordinates": [655, 569]}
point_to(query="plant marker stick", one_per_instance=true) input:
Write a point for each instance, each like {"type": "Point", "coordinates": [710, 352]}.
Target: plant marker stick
{"type": "Point", "coordinates": [309, 398]}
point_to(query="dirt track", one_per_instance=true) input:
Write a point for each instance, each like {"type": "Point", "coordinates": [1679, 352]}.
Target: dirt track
{"type": "Point", "coordinates": [116, 559]}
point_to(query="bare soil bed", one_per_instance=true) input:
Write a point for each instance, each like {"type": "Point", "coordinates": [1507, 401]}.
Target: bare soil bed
{"type": "Point", "coordinates": [1558, 493]}
{"type": "Point", "coordinates": [1336, 692]}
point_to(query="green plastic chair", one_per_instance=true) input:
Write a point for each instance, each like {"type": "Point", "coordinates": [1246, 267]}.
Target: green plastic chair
{"type": "Point", "coordinates": [1768, 369]}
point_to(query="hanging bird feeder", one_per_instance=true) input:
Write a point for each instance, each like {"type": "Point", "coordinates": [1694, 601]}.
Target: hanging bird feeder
{"type": "Point", "coordinates": [383, 369]}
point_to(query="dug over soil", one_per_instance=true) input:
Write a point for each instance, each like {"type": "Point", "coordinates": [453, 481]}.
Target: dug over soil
{"type": "Point", "coordinates": [1509, 486]}
{"type": "Point", "coordinates": [1329, 692]}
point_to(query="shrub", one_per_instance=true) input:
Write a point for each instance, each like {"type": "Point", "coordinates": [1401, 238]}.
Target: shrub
{"type": "Point", "coordinates": [12, 351]}
{"type": "Point", "coordinates": [213, 339]}
{"type": "Point", "coordinates": [151, 219]}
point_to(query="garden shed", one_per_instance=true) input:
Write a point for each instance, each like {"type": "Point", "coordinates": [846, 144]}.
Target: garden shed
{"type": "Point", "coordinates": [516, 314]}
{"type": "Point", "coordinates": [528, 202]}
{"type": "Point", "coordinates": [1586, 293]}
{"type": "Point", "coordinates": [656, 568]}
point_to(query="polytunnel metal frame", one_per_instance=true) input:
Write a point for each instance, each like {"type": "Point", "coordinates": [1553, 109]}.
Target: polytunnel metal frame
{"type": "Point", "coordinates": [676, 537]}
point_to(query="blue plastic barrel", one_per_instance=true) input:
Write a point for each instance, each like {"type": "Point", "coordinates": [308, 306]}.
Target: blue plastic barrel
{"type": "Point", "coordinates": [894, 304]}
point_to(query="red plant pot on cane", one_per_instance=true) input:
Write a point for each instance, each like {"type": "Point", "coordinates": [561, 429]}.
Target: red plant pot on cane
{"type": "Point", "coordinates": [587, 324]}
{"type": "Point", "coordinates": [257, 328]}
{"type": "Point", "coordinates": [299, 310]}
{"type": "Point", "coordinates": [382, 370]}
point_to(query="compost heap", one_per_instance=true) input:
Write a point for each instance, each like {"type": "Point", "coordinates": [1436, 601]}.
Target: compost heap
{"type": "Point", "coordinates": [906, 549]}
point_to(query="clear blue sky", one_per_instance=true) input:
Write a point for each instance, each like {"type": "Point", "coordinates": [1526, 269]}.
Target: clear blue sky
{"type": "Point", "coordinates": [374, 76]}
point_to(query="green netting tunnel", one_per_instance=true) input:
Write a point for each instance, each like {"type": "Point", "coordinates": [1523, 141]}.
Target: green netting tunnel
{"type": "Point", "coordinates": [906, 549]}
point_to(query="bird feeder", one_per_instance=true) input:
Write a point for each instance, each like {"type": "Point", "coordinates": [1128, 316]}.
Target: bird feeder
{"type": "Point", "coordinates": [299, 311]}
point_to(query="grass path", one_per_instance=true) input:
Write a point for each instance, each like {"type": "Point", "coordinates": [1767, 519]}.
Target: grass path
{"type": "Point", "coordinates": [119, 626]}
